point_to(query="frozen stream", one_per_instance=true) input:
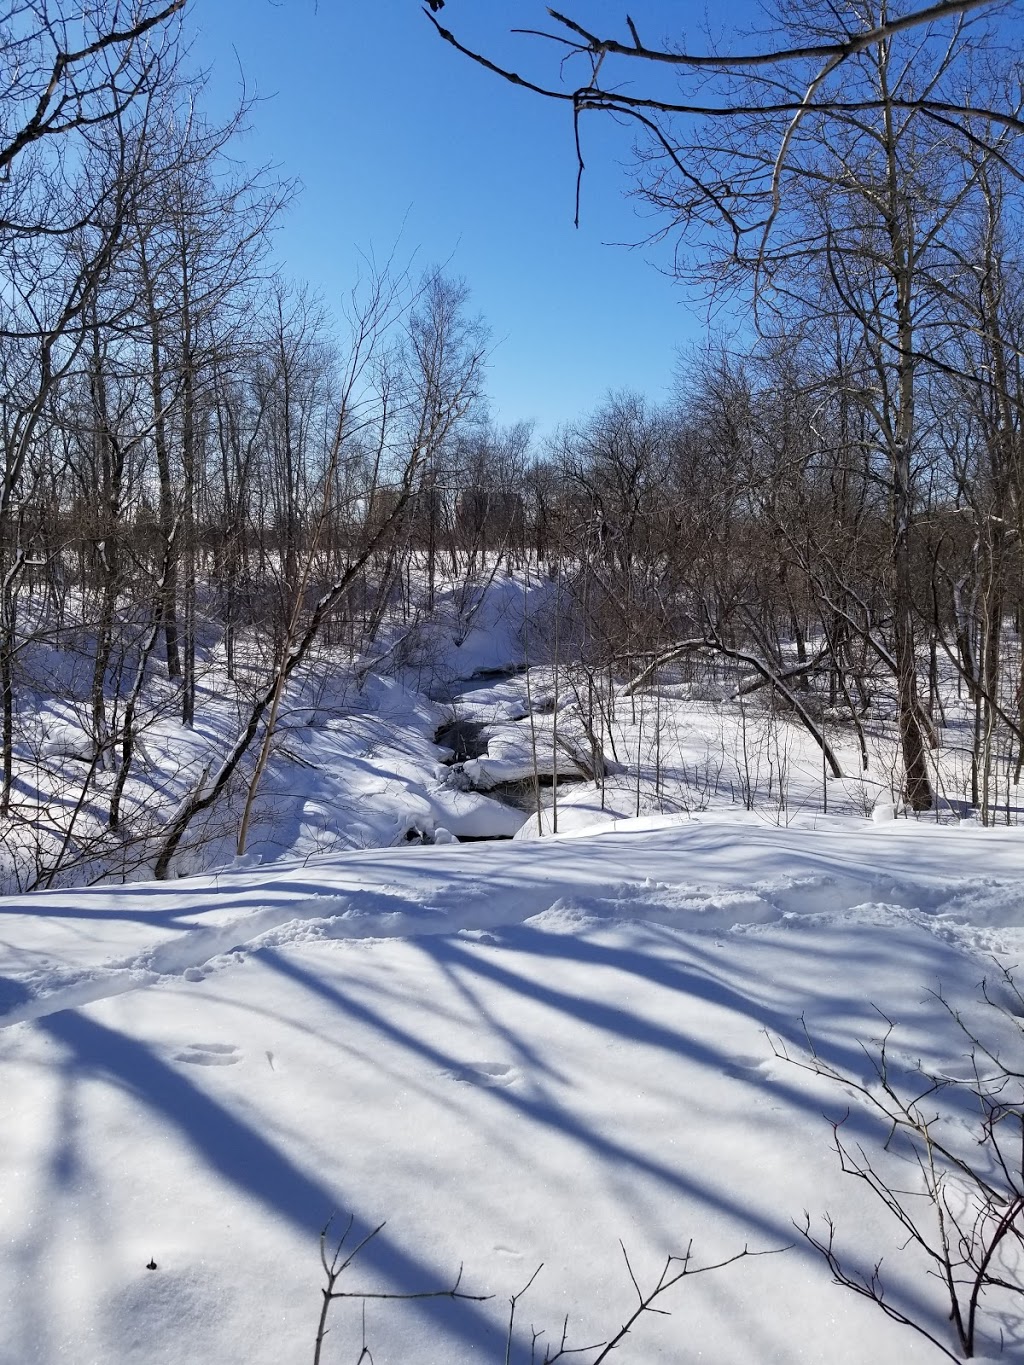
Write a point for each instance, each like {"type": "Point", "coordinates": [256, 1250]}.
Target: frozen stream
{"type": "Point", "coordinates": [493, 746]}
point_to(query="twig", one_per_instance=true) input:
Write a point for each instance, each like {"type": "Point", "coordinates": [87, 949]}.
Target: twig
{"type": "Point", "coordinates": [336, 1266]}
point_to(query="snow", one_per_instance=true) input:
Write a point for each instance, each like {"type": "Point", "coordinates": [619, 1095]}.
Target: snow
{"type": "Point", "coordinates": [492, 620]}
{"type": "Point", "coordinates": [372, 776]}
{"type": "Point", "coordinates": [353, 762]}
{"type": "Point", "coordinates": [513, 1053]}
{"type": "Point", "coordinates": [515, 756]}
{"type": "Point", "coordinates": [541, 1050]}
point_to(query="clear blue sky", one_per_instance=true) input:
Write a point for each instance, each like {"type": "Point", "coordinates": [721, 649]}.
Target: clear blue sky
{"type": "Point", "coordinates": [394, 136]}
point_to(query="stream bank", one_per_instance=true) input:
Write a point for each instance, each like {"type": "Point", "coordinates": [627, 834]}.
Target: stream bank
{"type": "Point", "coordinates": [492, 751]}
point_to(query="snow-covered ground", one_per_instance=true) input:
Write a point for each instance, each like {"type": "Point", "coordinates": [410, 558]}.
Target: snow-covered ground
{"type": "Point", "coordinates": [514, 1053]}
{"type": "Point", "coordinates": [353, 763]}
{"type": "Point", "coordinates": [548, 1049]}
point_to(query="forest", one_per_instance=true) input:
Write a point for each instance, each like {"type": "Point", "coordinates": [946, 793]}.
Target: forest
{"type": "Point", "coordinates": [213, 482]}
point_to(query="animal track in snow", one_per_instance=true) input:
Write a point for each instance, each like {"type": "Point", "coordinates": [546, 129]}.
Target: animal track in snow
{"type": "Point", "coordinates": [748, 1068]}
{"type": "Point", "coordinates": [488, 1074]}
{"type": "Point", "coordinates": [209, 1054]}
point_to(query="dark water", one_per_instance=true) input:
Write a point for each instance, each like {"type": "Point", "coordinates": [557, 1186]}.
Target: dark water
{"type": "Point", "coordinates": [465, 738]}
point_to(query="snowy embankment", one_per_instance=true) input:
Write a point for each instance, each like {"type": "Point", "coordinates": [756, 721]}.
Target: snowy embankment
{"type": "Point", "coordinates": [515, 1053]}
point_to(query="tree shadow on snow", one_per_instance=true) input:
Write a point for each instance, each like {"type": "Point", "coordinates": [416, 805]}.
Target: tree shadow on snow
{"type": "Point", "coordinates": [246, 1160]}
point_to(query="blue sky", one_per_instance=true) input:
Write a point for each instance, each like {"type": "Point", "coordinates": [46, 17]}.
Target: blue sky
{"type": "Point", "coordinates": [396, 138]}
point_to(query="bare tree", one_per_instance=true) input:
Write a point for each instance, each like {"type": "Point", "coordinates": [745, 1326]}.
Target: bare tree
{"type": "Point", "coordinates": [73, 153]}
{"type": "Point", "coordinates": [851, 145]}
{"type": "Point", "coordinates": [71, 70]}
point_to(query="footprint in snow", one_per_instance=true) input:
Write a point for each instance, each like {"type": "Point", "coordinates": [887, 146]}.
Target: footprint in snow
{"type": "Point", "coordinates": [209, 1054]}
{"type": "Point", "coordinates": [489, 1074]}
{"type": "Point", "coordinates": [748, 1068]}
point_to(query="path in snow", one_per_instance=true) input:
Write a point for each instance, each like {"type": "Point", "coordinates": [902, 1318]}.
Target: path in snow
{"type": "Point", "coordinates": [705, 874]}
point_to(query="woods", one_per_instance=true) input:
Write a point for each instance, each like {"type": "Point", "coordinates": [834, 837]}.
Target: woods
{"type": "Point", "coordinates": [213, 483]}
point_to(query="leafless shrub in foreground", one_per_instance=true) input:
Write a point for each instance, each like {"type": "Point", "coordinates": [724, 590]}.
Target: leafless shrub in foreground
{"type": "Point", "coordinates": [337, 1258]}
{"type": "Point", "coordinates": [964, 1209]}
